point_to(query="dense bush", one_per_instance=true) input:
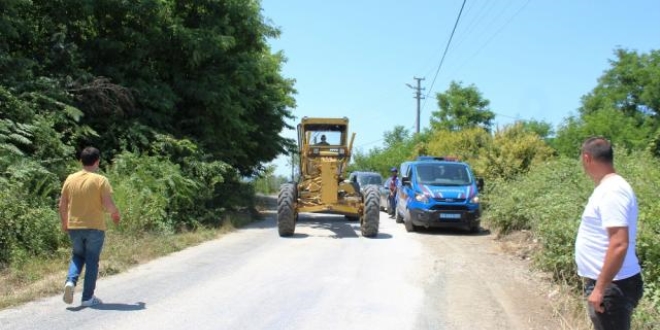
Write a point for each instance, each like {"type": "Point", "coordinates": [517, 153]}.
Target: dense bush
{"type": "Point", "coordinates": [29, 224]}
{"type": "Point", "coordinates": [514, 150]}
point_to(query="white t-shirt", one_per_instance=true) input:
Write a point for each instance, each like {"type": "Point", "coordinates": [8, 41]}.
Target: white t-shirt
{"type": "Point", "coordinates": [612, 204]}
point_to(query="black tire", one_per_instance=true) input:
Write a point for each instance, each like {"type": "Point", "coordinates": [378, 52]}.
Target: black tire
{"type": "Point", "coordinates": [475, 229]}
{"type": "Point", "coordinates": [286, 210]}
{"type": "Point", "coordinates": [410, 227]}
{"type": "Point", "coordinates": [398, 216]}
{"type": "Point", "coordinates": [371, 216]}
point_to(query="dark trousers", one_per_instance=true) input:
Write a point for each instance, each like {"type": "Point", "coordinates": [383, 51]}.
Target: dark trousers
{"type": "Point", "coordinates": [619, 300]}
{"type": "Point", "coordinates": [392, 207]}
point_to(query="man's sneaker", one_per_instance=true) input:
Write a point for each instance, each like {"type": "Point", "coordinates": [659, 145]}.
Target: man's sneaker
{"type": "Point", "coordinates": [91, 302]}
{"type": "Point", "coordinates": [68, 292]}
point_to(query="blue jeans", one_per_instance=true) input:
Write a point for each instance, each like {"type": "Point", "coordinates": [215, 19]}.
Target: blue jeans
{"type": "Point", "coordinates": [620, 298]}
{"type": "Point", "coordinates": [87, 245]}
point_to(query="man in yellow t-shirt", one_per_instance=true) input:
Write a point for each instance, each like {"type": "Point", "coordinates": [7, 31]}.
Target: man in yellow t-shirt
{"type": "Point", "coordinates": [86, 195]}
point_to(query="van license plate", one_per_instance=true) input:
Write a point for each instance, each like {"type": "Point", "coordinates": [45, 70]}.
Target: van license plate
{"type": "Point", "coordinates": [450, 215]}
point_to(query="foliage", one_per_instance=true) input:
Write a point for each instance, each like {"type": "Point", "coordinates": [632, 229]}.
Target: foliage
{"type": "Point", "coordinates": [609, 123]}
{"type": "Point", "coordinates": [28, 220]}
{"type": "Point", "coordinates": [113, 61]}
{"type": "Point", "coordinates": [397, 136]}
{"type": "Point", "coordinates": [180, 98]}
{"type": "Point", "coordinates": [267, 183]}
{"type": "Point", "coordinates": [550, 199]}
{"type": "Point", "coordinates": [147, 190]}
{"type": "Point", "coordinates": [513, 151]}
{"type": "Point", "coordinates": [624, 106]}
{"type": "Point", "coordinates": [631, 85]}
{"type": "Point", "coordinates": [541, 128]}
{"type": "Point", "coordinates": [461, 108]}
{"type": "Point", "coordinates": [467, 144]}
{"type": "Point", "coordinates": [402, 148]}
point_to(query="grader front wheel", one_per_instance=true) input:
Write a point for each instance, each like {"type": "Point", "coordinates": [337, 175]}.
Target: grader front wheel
{"type": "Point", "coordinates": [286, 212]}
{"type": "Point", "coordinates": [370, 218]}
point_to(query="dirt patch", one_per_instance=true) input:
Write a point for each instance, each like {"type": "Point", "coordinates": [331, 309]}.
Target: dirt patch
{"type": "Point", "coordinates": [484, 282]}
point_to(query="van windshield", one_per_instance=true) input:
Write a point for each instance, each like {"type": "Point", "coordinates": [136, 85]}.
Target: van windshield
{"type": "Point", "coordinates": [442, 174]}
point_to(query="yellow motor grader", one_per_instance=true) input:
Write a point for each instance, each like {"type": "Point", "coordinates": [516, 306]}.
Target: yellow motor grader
{"type": "Point", "coordinates": [325, 150]}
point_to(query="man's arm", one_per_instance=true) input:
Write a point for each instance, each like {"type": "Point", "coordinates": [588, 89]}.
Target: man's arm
{"type": "Point", "coordinates": [109, 205]}
{"type": "Point", "coordinates": [64, 212]}
{"type": "Point", "coordinates": [616, 253]}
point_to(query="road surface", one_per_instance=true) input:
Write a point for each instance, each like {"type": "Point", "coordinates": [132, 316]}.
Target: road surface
{"type": "Point", "coordinates": [324, 277]}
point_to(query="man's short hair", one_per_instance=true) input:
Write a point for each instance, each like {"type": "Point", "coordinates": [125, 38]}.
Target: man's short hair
{"type": "Point", "coordinates": [89, 156]}
{"type": "Point", "coordinates": [599, 148]}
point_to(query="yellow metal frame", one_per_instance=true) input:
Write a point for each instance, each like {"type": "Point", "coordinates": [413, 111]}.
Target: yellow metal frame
{"type": "Point", "coordinates": [321, 188]}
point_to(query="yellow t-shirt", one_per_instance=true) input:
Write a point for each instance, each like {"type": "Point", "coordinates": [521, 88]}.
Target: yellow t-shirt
{"type": "Point", "coordinates": [84, 190]}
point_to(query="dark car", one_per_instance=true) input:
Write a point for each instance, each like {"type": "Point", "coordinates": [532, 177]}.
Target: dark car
{"type": "Point", "coordinates": [362, 179]}
{"type": "Point", "coordinates": [385, 195]}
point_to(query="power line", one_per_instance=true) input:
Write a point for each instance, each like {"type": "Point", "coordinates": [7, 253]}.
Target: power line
{"type": "Point", "coordinates": [493, 36]}
{"type": "Point", "coordinates": [445, 52]}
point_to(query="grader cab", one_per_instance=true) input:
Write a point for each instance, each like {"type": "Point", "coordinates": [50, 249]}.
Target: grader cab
{"type": "Point", "coordinates": [325, 150]}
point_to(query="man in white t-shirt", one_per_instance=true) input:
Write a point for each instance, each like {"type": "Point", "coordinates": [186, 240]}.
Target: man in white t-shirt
{"type": "Point", "coordinates": [605, 244]}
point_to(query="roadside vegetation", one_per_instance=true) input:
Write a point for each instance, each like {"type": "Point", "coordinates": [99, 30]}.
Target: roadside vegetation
{"type": "Point", "coordinates": [186, 109]}
{"type": "Point", "coordinates": [534, 181]}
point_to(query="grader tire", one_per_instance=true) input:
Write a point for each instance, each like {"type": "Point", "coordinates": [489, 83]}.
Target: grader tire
{"type": "Point", "coordinates": [286, 213]}
{"type": "Point", "coordinates": [370, 218]}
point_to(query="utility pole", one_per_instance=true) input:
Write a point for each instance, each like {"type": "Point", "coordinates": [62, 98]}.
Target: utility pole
{"type": "Point", "coordinates": [418, 95]}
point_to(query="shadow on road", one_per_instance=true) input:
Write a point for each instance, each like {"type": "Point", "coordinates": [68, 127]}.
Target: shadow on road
{"type": "Point", "coordinates": [450, 231]}
{"type": "Point", "coordinates": [338, 226]}
{"type": "Point", "coordinates": [113, 307]}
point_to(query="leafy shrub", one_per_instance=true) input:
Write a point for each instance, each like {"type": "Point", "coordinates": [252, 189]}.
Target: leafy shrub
{"type": "Point", "coordinates": [513, 151]}
{"type": "Point", "coordinates": [465, 144]}
{"type": "Point", "coordinates": [550, 193]}
{"type": "Point", "coordinates": [149, 191]}
{"type": "Point", "coordinates": [29, 225]}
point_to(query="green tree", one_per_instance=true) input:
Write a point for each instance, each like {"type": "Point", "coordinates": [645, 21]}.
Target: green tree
{"type": "Point", "coordinates": [541, 128]}
{"type": "Point", "coordinates": [461, 107]}
{"type": "Point", "coordinates": [623, 107]}
{"type": "Point", "coordinates": [398, 135]}
{"type": "Point", "coordinates": [610, 123]}
{"type": "Point", "coordinates": [631, 85]}
{"type": "Point", "coordinates": [202, 71]}
{"type": "Point", "coordinates": [399, 147]}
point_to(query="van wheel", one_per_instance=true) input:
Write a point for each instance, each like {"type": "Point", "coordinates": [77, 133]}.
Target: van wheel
{"type": "Point", "coordinates": [399, 217]}
{"type": "Point", "coordinates": [410, 227]}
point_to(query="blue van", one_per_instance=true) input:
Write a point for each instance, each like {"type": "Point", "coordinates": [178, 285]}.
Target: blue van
{"type": "Point", "coordinates": [438, 192]}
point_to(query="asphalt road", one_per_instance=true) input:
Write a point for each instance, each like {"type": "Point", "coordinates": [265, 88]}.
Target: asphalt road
{"type": "Point", "coordinates": [324, 277]}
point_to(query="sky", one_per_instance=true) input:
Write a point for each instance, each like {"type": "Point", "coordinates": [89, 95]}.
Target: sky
{"type": "Point", "coordinates": [532, 59]}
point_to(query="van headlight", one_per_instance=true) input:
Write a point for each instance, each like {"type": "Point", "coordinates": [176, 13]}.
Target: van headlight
{"type": "Point", "coordinates": [475, 200]}
{"type": "Point", "coordinates": [421, 197]}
